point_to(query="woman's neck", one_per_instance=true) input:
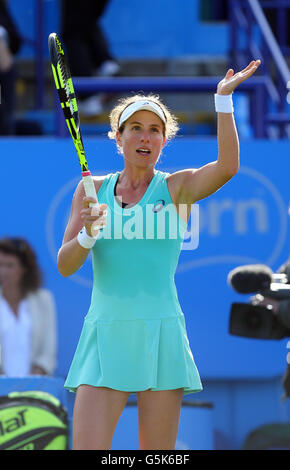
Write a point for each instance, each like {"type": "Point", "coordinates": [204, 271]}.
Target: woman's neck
{"type": "Point", "coordinates": [134, 178]}
{"type": "Point", "coordinates": [13, 295]}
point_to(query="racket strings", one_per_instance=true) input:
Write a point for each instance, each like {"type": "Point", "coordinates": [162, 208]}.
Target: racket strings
{"type": "Point", "coordinates": [65, 78]}
{"type": "Point", "coordinates": [67, 97]}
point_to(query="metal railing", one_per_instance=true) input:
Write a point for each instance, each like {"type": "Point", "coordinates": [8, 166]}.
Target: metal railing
{"type": "Point", "coordinates": [245, 16]}
{"type": "Point", "coordinates": [251, 37]}
{"type": "Point", "coordinates": [257, 87]}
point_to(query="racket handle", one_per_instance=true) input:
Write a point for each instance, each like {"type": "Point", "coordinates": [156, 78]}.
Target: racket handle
{"type": "Point", "coordinates": [90, 191]}
{"type": "Point", "coordinates": [89, 186]}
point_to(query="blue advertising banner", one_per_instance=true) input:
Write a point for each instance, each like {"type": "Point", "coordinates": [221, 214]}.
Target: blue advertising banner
{"type": "Point", "coordinates": [245, 222]}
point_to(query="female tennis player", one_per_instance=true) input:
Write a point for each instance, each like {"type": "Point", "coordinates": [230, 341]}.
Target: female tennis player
{"type": "Point", "coordinates": [134, 335]}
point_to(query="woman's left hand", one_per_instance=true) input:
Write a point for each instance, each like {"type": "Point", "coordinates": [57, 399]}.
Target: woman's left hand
{"type": "Point", "coordinates": [227, 85]}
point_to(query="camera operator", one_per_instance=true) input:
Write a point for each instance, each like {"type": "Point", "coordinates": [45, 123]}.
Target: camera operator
{"type": "Point", "coordinates": [281, 309]}
{"type": "Point", "coordinates": [267, 315]}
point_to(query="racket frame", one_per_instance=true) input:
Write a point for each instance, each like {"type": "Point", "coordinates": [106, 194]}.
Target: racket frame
{"type": "Point", "coordinates": [68, 102]}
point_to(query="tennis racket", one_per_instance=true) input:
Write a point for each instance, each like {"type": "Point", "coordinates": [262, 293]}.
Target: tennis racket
{"type": "Point", "coordinates": [68, 101]}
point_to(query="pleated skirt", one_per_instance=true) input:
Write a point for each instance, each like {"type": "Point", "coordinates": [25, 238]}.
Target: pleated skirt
{"type": "Point", "coordinates": [134, 355]}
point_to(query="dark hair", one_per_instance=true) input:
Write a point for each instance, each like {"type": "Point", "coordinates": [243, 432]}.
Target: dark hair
{"type": "Point", "coordinates": [20, 248]}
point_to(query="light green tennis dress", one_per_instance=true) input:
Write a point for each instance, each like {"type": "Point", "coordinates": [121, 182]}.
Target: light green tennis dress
{"type": "Point", "coordinates": [134, 335]}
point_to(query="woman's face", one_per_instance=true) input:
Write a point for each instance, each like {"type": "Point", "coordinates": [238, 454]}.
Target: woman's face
{"type": "Point", "coordinates": [142, 139]}
{"type": "Point", "coordinates": [11, 270]}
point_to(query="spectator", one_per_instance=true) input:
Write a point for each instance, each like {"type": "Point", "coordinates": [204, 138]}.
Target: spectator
{"type": "Point", "coordinates": [10, 43]}
{"type": "Point", "coordinates": [27, 313]}
{"type": "Point", "coordinates": [86, 47]}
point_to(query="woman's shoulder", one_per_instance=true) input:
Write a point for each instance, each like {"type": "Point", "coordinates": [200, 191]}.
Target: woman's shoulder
{"type": "Point", "coordinates": [99, 179]}
{"type": "Point", "coordinates": [41, 294]}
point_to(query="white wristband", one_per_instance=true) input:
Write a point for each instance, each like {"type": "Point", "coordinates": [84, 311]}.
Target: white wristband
{"type": "Point", "coordinates": [223, 103]}
{"type": "Point", "coordinates": [85, 240]}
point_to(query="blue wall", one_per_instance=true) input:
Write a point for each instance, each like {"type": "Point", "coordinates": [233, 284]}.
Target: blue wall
{"type": "Point", "coordinates": [167, 28]}
{"type": "Point", "coordinates": [245, 222]}
{"type": "Point", "coordinates": [163, 29]}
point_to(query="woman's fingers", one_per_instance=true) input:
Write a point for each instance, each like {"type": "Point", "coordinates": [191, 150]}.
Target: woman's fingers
{"type": "Point", "coordinates": [246, 72]}
{"type": "Point", "coordinates": [248, 66]}
{"type": "Point", "coordinates": [252, 67]}
{"type": "Point", "coordinates": [89, 200]}
{"type": "Point", "coordinates": [93, 216]}
{"type": "Point", "coordinates": [92, 212]}
{"type": "Point", "coordinates": [228, 84]}
{"type": "Point", "coordinates": [229, 73]}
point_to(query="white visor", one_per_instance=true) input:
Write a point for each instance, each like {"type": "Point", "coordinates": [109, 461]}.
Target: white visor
{"type": "Point", "coordinates": [141, 106]}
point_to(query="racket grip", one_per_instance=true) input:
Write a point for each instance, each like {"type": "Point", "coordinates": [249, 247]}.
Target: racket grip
{"type": "Point", "coordinates": [90, 191]}
{"type": "Point", "coordinates": [89, 186]}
